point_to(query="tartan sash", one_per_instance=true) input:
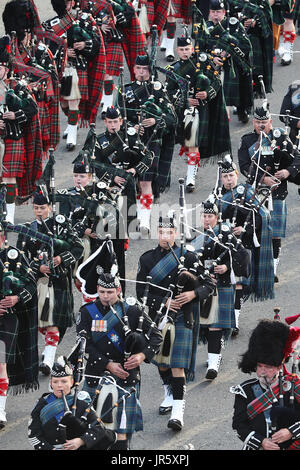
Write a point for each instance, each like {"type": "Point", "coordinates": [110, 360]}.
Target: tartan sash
{"type": "Point", "coordinates": [168, 262]}
{"type": "Point", "coordinates": [262, 285]}
{"type": "Point", "coordinates": [262, 403]}
{"type": "Point", "coordinates": [111, 320]}
{"type": "Point", "coordinates": [55, 408]}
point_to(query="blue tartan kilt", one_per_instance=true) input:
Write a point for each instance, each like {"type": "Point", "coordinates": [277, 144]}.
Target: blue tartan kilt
{"type": "Point", "coordinates": [278, 218]}
{"type": "Point", "coordinates": [182, 348]}
{"type": "Point", "coordinates": [134, 417]}
{"type": "Point", "coordinates": [226, 317]}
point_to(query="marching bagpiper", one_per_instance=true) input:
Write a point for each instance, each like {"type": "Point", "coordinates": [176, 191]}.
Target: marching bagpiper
{"type": "Point", "coordinates": [122, 33]}
{"type": "Point", "coordinates": [21, 143]}
{"type": "Point", "coordinates": [203, 129]}
{"type": "Point", "coordinates": [34, 59]}
{"type": "Point", "coordinates": [225, 259]}
{"type": "Point", "coordinates": [267, 408]}
{"type": "Point", "coordinates": [120, 336]}
{"type": "Point", "coordinates": [81, 65]}
{"type": "Point", "coordinates": [250, 223]}
{"type": "Point", "coordinates": [256, 16]}
{"type": "Point", "coordinates": [53, 268]}
{"type": "Point", "coordinates": [237, 75]}
{"type": "Point", "coordinates": [148, 108]}
{"type": "Point", "coordinates": [167, 265]}
{"type": "Point", "coordinates": [58, 420]}
{"type": "Point", "coordinates": [18, 323]}
{"type": "Point", "coordinates": [276, 163]}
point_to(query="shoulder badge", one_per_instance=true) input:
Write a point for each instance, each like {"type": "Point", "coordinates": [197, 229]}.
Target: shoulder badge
{"type": "Point", "coordinates": [12, 254]}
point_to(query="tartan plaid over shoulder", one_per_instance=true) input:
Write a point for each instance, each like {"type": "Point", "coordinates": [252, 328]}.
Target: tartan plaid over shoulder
{"type": "Point", "coordinates": [134, 44]}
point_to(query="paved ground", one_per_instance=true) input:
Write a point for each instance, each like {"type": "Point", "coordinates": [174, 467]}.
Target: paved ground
{"type": "Point", "coordinates": [208, 404]}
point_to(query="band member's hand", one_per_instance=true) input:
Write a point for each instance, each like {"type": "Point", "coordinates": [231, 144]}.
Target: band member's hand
{"type": "Point", "coordinates": [131, 170]}
{"type": "Point", "coordinates": [193, 102]}
{"type": "Point", "coordinates": [267, 444]}
{"type": "Point", "coordinates": [73, 444]}
{"type": "Point", "coordinates": [9, 301]}
{"type": "Point", "coordinates": [79, 45]}
{"type": "Point", "coordinates": [56, 261]}
{"type": "Point", "coordinates": [269, 181]}
{"type": "Point", "coordinates": [220, 269]}
{"type": "Point", "coordinates": [105, 28]}
{"type": "Point", "coordinates": [237, 231]}
{"type": "Point", "coordinates": [282, 174]}
{"type": "Point", "coordinates": [2, 124]}
{"type": "Point", "coordinates": [298, 124]}
{"type": "Point", "coordinates": [142, 130]}
{"type": "Point", "coordinates": [185, 297]}
{"type": "Point", "coordinates": [173, 305]}
{"type": "Point", "coordinates": [118, 180]}
{"type": "Point", "coordinates": [88, 232]}
{"type": "Point", "coordinates": [116, 369]}
{"type": "Point", "coordinates": [71, 52]}
{"type": "Point", "coordinates": [218, 61]}
{"type": "Point", "coordinates": [281, 436]}
{"type": "Point", "coordinates": [149, 122]}
{"type": "Point", "coordinates": [44, 269]}
{"type": "Point", "coordinates": [134, 361]}
{"type": "Point", "coordinates": [249, 22]}
{"type": "Point", "coordinates": [201, 95]}
{"type": "Point", "coordinates": [9, 115]}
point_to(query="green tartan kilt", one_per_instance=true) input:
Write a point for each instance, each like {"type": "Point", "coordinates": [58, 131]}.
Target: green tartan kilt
{"type": "Point", "coordinates": [262, 59]}
{"type": "Point", "coordinates": [278, 218]}
{"type": "Point", "coordinates": [18, 347]}
{"type": "Point", "coordinates": [63, 311]}
{"type": "Point", "coordinates": [231, 89]}
{"type": "Point", "coordinates": [134, 417]}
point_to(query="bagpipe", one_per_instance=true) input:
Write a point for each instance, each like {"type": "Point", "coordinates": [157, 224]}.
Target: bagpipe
{"type": "Point", "coordinates": [256, 13]}
{"type": "Point", "coordinates": [15, 268]}
{"type": "Point", "coordinates": [107, 401]}
{"type": "Point", "coordinates": [221, 39]}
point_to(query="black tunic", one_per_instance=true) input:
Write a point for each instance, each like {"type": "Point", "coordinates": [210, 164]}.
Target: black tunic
{"type": "Point", "coordinates": [103, 351]}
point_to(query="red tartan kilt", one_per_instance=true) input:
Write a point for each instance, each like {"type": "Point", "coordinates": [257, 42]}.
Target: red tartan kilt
{"type": "Point", "coordinates": [150, 13]}
{"type": "Point", "coordinates": [83, 84]}
{"type": "Point", "coordinates": [182, 9]}
{"type": "Point", "coordinates": [114, 58]}
{"type": "Point", "coordinates": [14, 160]}
{"type": "Point", "coordinates": [45, 120]}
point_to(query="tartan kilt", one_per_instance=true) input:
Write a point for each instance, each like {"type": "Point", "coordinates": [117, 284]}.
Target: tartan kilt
{"type": "Point", "coordinates": [226, 317]}
{"type": "Point", "coordinates": [45, 121]}
{"type": "Point", "coordinates": [183, 9]}
{"type": "Point", "coordinates": [134, 43]}
{"type": "Point", "coordinates": [134, 417]}
{"type": "Point", "coordinates": [63, 310]}
{"type": "Point", "coordinates": [160, 13]}
{"type": "Point", "coordinates": [152, 172]}
{"type": "Point", "coordinates": [231, 88]}
{"type": "Point", "coordinates": [83, 83]}
{"type": "Point", "coordinates": [114, 58]}
{"type": "Point", "coordinates": [278, 218]}
{"type": "Point", "coordinates": [19, 333]}
{"type": "Point", "coordinates": [14, 160]}
{"type": "Point", "coordinates": [263, 59]}
{"type": "Point", "coordinates": [182, 348]}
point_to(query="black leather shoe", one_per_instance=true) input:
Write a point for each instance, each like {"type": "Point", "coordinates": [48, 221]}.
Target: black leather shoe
{"type": "Point", "coordinates": [175, 424]}
{"type": "Point", "coordinates": [44, 368]}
